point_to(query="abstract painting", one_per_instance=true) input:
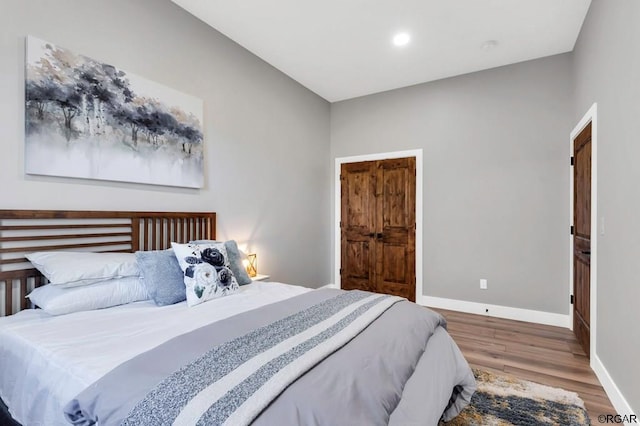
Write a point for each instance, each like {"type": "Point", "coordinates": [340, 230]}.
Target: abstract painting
{"type": "Point", "coordinates": [88, 119]}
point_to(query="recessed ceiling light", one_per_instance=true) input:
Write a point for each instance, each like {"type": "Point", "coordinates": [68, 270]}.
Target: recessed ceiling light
{"type": "Point", "coordinates": [489, 44]}
{"type": "Point", "coordinates": [401, 39]}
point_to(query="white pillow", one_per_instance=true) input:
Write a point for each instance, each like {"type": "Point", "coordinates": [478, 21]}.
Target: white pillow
{"type": "Point", "coordinates": [55, 300]}
{"type": "Point", "coordinates": [207, 273]}
{"type": "Point", "coordinates": [72, 269]}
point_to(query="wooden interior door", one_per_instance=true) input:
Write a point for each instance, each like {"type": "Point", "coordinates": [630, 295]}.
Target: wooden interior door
{"type": "Point", "coordinates": [396, 227]}
{"type": "Point", "coordinates": [378, 226]}
{"type": "Point", "coordinates": [357, 225]}
{"type": "Point", "coordinates": [582, 237]}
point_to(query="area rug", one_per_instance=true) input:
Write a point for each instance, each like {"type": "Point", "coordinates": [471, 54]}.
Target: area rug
{"type": "Point", "coordinates": [503, 400]}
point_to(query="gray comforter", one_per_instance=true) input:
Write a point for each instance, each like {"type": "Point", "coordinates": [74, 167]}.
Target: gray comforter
{"type": "Point", "coordinates": [325, 357]}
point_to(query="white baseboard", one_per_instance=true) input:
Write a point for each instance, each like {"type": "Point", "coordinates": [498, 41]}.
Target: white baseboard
{"type": "Point", "coordinates": [617, 399]}
{"type": "Point", "coordinates": [330, 285]}
{"type": "Point", "coordinates": [518, 314]}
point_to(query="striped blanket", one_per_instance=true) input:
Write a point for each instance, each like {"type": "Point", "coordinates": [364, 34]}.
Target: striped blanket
{"type": "Point", "coordinates": [230, 382]}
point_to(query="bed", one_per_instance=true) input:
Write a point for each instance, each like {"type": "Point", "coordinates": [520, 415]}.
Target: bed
{"type": "Point", "coordinates": [271, 353]}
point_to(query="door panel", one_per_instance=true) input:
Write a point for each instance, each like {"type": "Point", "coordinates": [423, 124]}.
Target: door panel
{"type": "Point", "coordinates": [394, 206]}
{"type": "Point", "coordinates": [581, 299]}
{"type": "Point", "coordinates": [360, 198]}
{"type": "Point", "coordinates": [357, 263]}
{"type": "Point", "coordinates": [394, 255]}
{"type": "Point", "coordinates": [582, 170]}
{"type": "Point", "coordinates": [582, 238]}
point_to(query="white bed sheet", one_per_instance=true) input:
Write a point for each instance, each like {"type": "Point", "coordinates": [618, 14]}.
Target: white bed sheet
{"type": "Point", "coordinates": [46, 361]}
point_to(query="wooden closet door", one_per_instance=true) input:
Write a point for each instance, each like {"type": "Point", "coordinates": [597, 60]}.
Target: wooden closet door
{"type": "Point", "coordinates": [396, 227]}
{"type": "Point", "coordinates": [378, 226]}
{"type": "Point", "coordinates": [358, 189]}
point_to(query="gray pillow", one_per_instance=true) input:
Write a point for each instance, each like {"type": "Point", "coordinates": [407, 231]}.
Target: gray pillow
{"type": "Point", "coordinates": [162, 276]}
{"type": "Point", "coordinates": [235, 260]}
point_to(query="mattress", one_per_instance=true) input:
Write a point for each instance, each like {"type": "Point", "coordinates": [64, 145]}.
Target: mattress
{"type": "Point", "coordinates": [47, 361]}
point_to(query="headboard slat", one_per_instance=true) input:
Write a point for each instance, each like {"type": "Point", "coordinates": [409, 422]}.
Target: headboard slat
{"type": "Point", "coordinates": [162, 223]}
{"type": "Point", "coordinates": [70, 226]}
{"type": "Point", "coordinates": [8, 294]}
{"type": "Point", "coordinates": [26, 231]}
{"type": "Point", "coordinates": [23, 290]}
{"type": "Point", "coordinates": [65, 237]}
{"type": "Point", "coordinates": [145, 234]}
{"type": "Point", "coordinates": [68, 246]}
{"type": "Point", "coordinates": [135, 232]}
{"type": "Point", "coordinates": [154, 234]}
{"type": "Point", "coordinates": [16, 260]}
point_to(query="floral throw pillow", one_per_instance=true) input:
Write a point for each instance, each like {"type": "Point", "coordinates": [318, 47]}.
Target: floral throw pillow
{"type": "Point", "coordinates": [207, 274]}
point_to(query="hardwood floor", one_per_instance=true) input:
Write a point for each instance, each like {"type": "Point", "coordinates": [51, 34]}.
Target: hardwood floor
{"type": "Point", "coordinates": [539, 353]}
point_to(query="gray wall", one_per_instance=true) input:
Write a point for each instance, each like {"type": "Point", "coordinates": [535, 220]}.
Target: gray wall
{"type": "Point", "coordinates": [607, 71]}
{"type": "Point", "coordinates": [266, 137]}
{"type": "Point", "coordinates": [496, 177]}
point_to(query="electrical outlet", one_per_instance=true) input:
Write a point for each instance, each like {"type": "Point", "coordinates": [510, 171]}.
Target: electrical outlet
{"type": "Point", "coordinates": [483, 284]}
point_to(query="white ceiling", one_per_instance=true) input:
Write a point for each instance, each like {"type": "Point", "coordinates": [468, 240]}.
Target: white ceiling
{"type": "Point", "coordinates": [342, 49]}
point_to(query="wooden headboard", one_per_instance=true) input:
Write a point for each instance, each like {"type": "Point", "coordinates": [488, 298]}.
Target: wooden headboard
{"type": "Point", "coordinates": [26, 231]}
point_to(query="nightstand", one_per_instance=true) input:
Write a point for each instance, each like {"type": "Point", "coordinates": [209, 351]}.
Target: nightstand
{"type": "Point", "coordinates": [260, 277]}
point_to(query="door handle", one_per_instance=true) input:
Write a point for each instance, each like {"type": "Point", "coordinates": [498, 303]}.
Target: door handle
{"type": "Point", "coordinates": [379, 235]}
{"type": "Point", "coordinates": [372, 234]}
{"type": "Point", "coordinates": [587, 252]}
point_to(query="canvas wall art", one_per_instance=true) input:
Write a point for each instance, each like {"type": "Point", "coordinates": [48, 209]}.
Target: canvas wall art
{"type": "Point", "coordinates": [88, 119]}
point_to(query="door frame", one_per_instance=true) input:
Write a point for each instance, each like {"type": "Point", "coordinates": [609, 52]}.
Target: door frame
{"type": "Point", "coordinates": [591, 116]}
{"type": "Point", "coordinates": [417, 153]}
